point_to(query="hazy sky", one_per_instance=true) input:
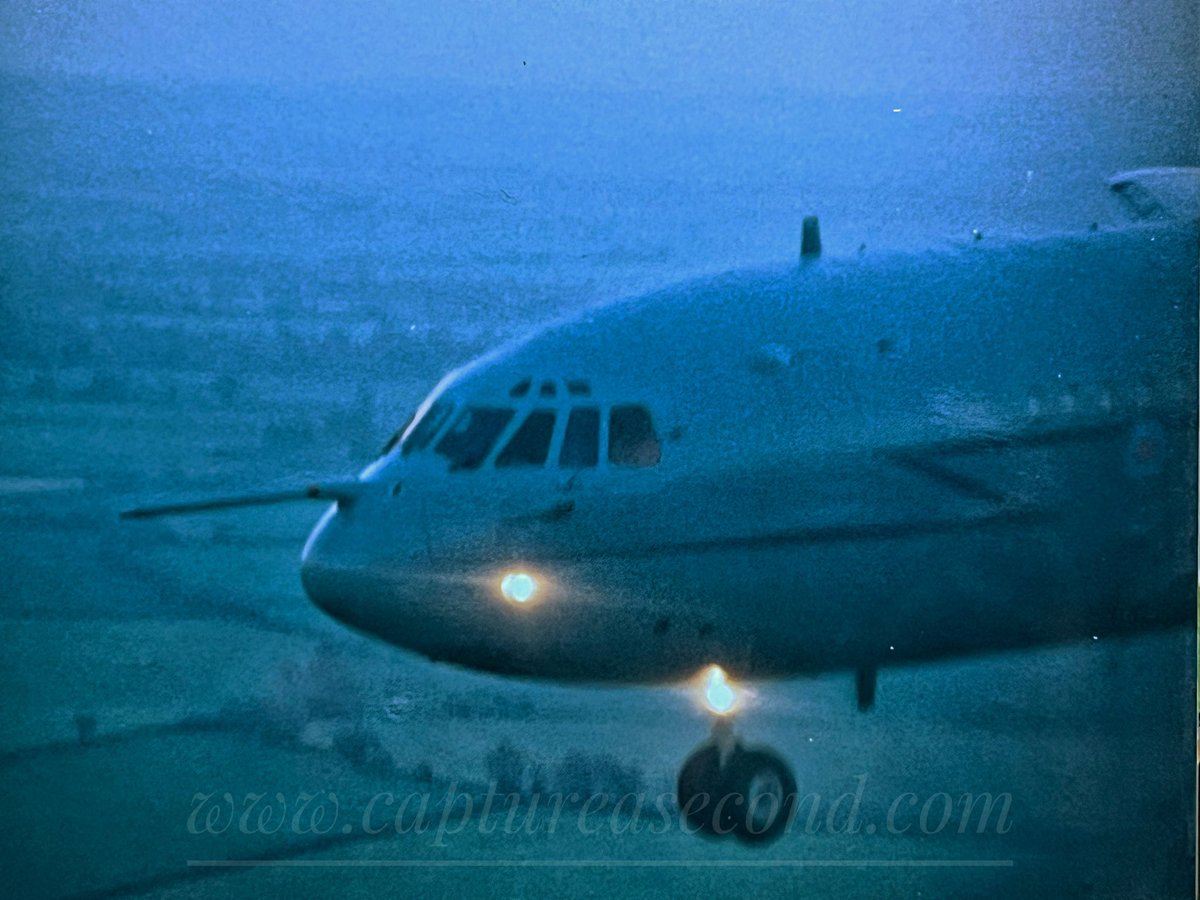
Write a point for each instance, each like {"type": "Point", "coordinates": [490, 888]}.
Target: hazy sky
{"type": "Point", "coordinates": [687, 45]}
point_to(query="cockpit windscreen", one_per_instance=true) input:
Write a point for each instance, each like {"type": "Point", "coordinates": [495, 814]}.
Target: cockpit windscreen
{"type": "Point", "coordinates": [473, 435]}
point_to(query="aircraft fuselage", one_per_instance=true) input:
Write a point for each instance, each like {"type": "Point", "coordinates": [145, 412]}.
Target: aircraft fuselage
{"type": "Point", "coordinates": [855, 463]}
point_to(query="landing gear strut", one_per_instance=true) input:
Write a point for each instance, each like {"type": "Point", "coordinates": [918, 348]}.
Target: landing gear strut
{"type": "Point", "coordinates": [726, 788]}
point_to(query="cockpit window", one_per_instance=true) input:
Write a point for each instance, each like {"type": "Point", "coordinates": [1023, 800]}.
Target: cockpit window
{"type": "Point", "coordinates": [581, 443]}
{"type": "Point", "coordinates": [395, 438]}
{"type": "Point", "coordinates": [473, 435]}
{"type": "Point", "coordinates": [631, 437]}
{"type": "Point", "coordinates": [429, 425]}
{"type": "Point", "coordinates": [531, 444]}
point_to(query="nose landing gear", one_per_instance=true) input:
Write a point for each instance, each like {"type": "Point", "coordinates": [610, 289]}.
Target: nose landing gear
{"type": "Point", "coordinates": [726, 788]}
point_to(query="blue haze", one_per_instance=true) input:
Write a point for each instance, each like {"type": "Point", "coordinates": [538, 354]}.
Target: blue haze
{"type": "Point", "coordinates": [235, 251]}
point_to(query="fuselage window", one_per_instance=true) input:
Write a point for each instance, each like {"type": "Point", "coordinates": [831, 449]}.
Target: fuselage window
{"type": "Point", "coordinates": [423, 432]}
{"type": "Point", "coordinates": [473, 435]}
{"type": "Point", "coordinates": [531, 444]}
{"type": "Point", "coordinates": [581, 443]}
{"type": "Point", "coordinates": [631, 437]}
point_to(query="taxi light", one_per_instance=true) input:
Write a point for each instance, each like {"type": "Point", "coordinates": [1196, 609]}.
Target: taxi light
{"type": "Point", "coordinates": [719, 695]}
{"type": "Point", "coordinates": [519, 587]}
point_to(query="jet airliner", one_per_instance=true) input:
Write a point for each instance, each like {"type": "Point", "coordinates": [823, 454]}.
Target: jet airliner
{"type": "Point", "coordinates": [838, 464]}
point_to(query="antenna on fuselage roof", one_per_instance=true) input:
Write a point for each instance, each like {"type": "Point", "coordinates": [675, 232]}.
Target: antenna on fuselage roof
{"type": "Point", "coordinates": [810, 239]}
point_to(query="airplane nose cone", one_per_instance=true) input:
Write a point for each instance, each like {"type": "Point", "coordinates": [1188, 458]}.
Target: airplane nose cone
{"type": "Point", "coordinates": [316, 573]}
{"type": "Point", "coordinates": [355, 568]}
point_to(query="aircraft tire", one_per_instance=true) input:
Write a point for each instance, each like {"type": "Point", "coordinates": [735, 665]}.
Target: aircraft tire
{"type": "Point", "coordinates": [699, 792]}
{"type": "Point", "coordinates": [767, 788]}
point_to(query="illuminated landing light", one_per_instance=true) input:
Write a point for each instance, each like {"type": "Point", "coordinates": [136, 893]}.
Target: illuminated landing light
{"type": "Point", "coordinates": [519, 587]}
{"type": "Point", "coordinates": [895, 109]}
{"type": "Point", "coordinates": [720, 696]}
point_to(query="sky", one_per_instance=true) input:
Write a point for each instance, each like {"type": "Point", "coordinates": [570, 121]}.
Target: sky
{"type": "Point", "coordinates": [683, 46]}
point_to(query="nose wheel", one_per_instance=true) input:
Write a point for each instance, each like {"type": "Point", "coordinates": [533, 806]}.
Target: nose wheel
{"type": "Point", "coordinates": [726, 788]}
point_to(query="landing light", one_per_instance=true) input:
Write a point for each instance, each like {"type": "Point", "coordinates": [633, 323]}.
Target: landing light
{"type": "Point", "coordinates": [519, 587]}
{"type": "Point", "coordinates": [719, 695]}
